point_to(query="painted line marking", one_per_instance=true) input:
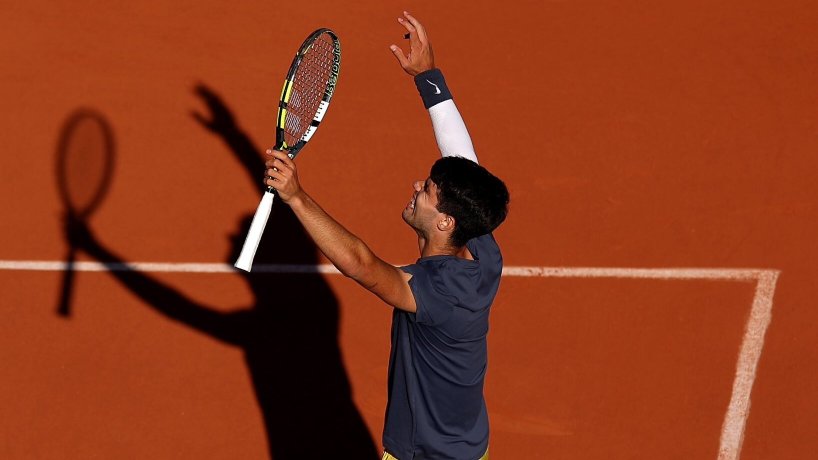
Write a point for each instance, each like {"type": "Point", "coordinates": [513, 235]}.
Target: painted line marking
{"type": "Point", "coordinates": [162, 267]}
{"type": "Point", "coordinates": [735, 420]}
{"type": "Point", "coordinates": [728, 274]}
{"type": "Point", "coordinates": [738, 409]}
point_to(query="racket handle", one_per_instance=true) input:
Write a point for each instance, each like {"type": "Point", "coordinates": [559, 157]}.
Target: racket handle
{"type": "Point", "coordinates": [248, 251]}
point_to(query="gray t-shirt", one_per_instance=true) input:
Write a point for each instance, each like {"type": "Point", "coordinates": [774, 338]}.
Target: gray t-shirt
{"type": "Point", "coordinates": [437, 365]}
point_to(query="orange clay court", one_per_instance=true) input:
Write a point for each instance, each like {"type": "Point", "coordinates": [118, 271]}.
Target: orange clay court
{"type": "Point", "coordinates": [659, 297]}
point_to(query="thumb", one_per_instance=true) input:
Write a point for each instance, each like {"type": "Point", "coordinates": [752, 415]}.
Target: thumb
{"type": "Point", "coordinates": [399, 55]}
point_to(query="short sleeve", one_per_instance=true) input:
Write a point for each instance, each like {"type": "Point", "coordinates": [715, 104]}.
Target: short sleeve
{"type": "Point", "coordinates": [485, 249]}
{"type": "Point", "coordinates": [434, 303]}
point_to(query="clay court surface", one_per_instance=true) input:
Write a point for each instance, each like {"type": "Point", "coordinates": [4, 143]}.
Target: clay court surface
{"type": "Point", "coordinates": [660, 299]}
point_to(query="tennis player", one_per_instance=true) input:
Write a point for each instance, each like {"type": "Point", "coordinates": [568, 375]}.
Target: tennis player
{"type": "Point", "coordinates": [437, 365]}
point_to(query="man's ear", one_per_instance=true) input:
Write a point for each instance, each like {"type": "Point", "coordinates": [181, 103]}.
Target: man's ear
{"type": "Point", "coordinates": [446, 223]}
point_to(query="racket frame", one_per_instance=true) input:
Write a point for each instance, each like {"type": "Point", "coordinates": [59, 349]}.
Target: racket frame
{"type": "Point", "coordinates": [248, 251]}
{"type": "Point", "coordinates": [63, 145]}
{"type": "Point", "coordinates": [286, 92]}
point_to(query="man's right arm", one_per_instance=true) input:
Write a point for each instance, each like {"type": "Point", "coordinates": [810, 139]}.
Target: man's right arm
{"type": "Point", "coordinates": [350, 255]}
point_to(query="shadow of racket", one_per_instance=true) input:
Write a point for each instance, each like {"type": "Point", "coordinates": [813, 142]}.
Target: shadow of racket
{"type": "Point", "coordinates": [85, 160]}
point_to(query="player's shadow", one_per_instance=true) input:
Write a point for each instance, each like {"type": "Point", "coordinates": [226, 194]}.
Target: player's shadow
{"type": "Point", "coordinates": [289, 335]}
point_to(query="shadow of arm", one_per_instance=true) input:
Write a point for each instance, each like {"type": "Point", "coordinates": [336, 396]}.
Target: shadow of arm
{"type": "Point", "coordinates": [225, 327]}
{"type": "Point", "coordinates": [222, 123]}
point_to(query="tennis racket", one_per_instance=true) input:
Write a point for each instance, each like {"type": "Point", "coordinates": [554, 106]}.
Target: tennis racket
{"type": "Point", "coordinates": [305, 97]}
{"type": "Point", "coordinates": [85, 160]}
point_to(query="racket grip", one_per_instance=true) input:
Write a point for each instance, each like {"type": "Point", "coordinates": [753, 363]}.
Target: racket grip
{"type": "Point", "coordinates": [248, 251]}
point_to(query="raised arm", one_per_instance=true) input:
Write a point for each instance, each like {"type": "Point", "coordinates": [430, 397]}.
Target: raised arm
{"type": "Point", "coordinates": [450, 131]}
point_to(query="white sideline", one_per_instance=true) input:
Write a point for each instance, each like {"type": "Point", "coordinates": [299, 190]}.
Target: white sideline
{"type": "Point", "coordinates": [735, 420]}
{"type": "Point", "coordinates": [162, 267]}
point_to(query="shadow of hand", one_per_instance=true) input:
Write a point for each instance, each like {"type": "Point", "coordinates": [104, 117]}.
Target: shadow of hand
{"type": "Point", "coordinates": [79, 235]}
{"type": "Point", "coordinates": [221, 119]}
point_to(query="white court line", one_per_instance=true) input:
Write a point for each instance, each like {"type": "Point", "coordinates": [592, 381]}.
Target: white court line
{"type": "Point", "coordinates": [163, 267]}
{"type": "Point", "coordinates": [727, 274]}
{"type": "Point", "coordinates": [735, 420]}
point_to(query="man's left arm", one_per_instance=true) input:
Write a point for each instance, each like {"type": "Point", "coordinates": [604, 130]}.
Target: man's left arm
{"type": "Point", "coordinates": [450, 131]}
{"type": "Point", "coordinates": [347, 252]}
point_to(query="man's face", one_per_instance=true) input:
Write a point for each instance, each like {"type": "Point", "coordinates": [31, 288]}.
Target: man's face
{"type": "Point", "coordinates": [421, 212]}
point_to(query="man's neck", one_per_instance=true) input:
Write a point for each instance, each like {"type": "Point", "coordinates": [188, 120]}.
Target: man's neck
{"type": "Point", "coordinates": [432, 247]}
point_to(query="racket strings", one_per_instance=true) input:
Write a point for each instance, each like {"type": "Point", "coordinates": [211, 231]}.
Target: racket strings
{"type": "Point", "coordinates": [309, 85]}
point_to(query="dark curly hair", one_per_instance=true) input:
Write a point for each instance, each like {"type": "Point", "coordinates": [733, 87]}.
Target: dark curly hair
{"type": "Point", "coordinates": [476, 199]}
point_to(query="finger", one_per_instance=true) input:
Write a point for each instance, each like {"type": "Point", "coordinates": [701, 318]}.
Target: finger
{"type": "Point", "coordinates": [284, 159]}
{"type": "Point", "coordinates": [408, 25]}
{"type": "Point", "coordinates": [279, 165]}
{"type": "Point", "coordinates": [199, 117]}
{"type": "Point", "coordinates": [272, 166]}
{"type": "Point", "coordinates": [274, 179]}
{"type": "Point", "coordinates": [414, 40]}
{"type": "Point", "coordinates": [421, 31]}
{"type": "Point", "coordinates": [399, 55]}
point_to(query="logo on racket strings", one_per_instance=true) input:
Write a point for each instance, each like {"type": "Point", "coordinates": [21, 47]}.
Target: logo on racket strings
{"type": "Point", "coordinates": [336, 68]}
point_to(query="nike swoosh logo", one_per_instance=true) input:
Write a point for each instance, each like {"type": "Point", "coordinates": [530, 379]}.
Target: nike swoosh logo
{"type": "Point", "coordinates": [437, 90]}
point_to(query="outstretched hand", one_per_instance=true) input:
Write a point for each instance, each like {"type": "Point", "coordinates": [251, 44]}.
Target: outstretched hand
{"type": "Point", "coordinates": [220, 119]}
{"type": "Point", "coordinates": [420, 57]}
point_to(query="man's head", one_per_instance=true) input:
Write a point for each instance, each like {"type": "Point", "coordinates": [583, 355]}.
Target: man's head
{"type": "Point", "coordinates": [459, 197]}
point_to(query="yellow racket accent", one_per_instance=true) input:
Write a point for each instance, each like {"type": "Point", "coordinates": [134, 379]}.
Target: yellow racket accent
{"type": "Point", "coordinates": [287, 91]}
